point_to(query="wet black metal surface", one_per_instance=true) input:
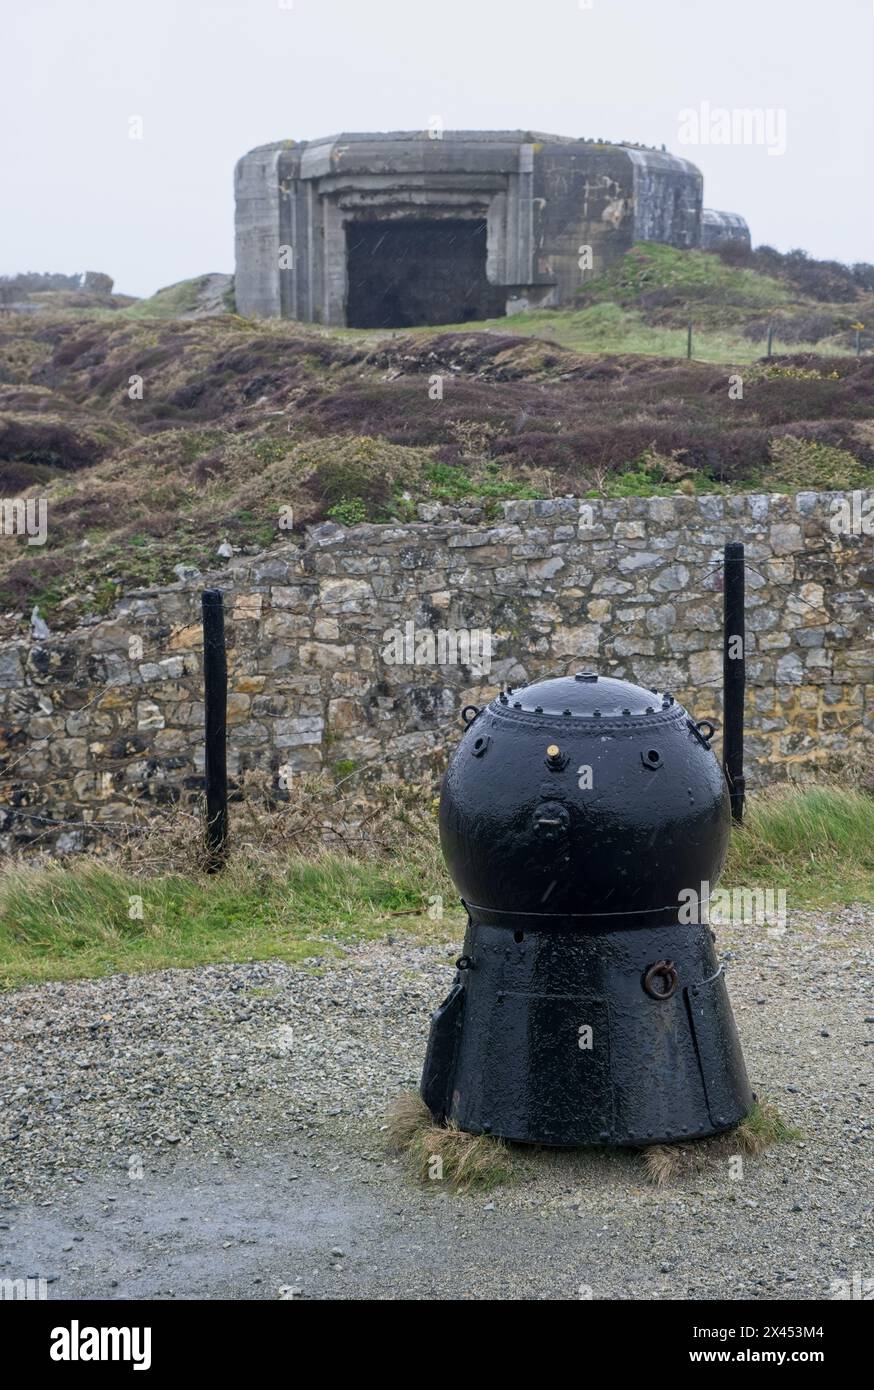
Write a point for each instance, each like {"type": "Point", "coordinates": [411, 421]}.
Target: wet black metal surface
{"type": "Point", "coordinates": [734, 675]}
{"type": "Point", "coordinates": [574, 814]}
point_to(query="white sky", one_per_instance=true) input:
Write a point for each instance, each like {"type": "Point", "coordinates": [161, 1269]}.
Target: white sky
{"type": "Point", "coordinates": [210, 80]}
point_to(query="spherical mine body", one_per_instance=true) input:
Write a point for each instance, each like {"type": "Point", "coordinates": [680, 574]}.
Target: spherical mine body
{"type": "Point", "coordinates": [583, 797]}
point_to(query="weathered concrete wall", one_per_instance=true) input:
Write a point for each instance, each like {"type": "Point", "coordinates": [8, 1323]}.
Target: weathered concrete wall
{"type": "Point", "coordinates": [668, 194]}
{"type": "Point", "coordinates": [257, 196]}
{"type": "Point", "coordinates": [583, 196]}
{"type": "Point", "coordinates": [720, 228]}
{"type": "Point", "coordinates": [106, 721]}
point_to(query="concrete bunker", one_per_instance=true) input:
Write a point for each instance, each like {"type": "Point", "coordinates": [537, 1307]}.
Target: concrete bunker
{"type": "Point", "coordinates": [407, 228]}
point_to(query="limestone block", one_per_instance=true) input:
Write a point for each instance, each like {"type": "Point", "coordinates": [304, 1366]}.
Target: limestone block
{"type": "Point", "coordinates": [326, 655]}
{"type": "Point", "coordinates": [247, 607]}
{"type": "Point", "coordinates": [149, 716]}
{"type": "Point", "coordinates": [786, 538]}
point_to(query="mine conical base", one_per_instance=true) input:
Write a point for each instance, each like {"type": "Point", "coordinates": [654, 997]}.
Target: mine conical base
{"type": "Point", "coordinates": [609, 1037]}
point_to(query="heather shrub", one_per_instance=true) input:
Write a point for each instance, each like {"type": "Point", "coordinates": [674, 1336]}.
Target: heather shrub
{"type": "Point", "coordinates": [806, 463]}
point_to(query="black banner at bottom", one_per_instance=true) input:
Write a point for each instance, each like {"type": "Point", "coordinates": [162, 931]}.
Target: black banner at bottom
{"type": "Point", "coordinates": [66, 1338]}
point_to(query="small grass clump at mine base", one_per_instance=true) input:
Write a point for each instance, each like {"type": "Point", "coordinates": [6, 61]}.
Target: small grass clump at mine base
{"type": "Point", "coordinates": [762, 1127]}
{"type": "Point", "coordinates": [444, 1154]}
{"type": "Point", "coordinates": [464, 1162]}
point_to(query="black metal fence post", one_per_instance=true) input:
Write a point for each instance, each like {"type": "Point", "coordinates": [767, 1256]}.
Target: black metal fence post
{"type": "Point", "coordinates": [734, 676]}
{"type": "Point", "coordinates": [215, 696]}
{"type": "Point", "coordinates": [689, 341]}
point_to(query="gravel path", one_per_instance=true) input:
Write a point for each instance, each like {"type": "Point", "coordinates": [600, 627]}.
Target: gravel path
{"type": "Point", "coordinates": [217, 1133]}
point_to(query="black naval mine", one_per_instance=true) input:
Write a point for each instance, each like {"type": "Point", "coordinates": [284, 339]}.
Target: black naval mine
{"type": "Point", "coordinates": [579, 817]}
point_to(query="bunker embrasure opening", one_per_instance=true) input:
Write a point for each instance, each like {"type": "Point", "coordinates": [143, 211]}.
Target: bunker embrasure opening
{"type": "Point", "coordinates": [416, 271]}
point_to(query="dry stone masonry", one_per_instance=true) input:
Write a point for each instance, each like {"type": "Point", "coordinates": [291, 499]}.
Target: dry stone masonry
{"type": "Point", "coordinates": [335, 650]}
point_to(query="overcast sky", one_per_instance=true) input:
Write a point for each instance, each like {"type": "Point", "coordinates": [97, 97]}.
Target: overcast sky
{"type": "Point", "coordinates": [210, 80]}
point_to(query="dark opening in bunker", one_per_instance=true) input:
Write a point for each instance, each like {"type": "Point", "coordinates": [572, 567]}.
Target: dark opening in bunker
{"type": "Point", "coordinates": [418, 271]}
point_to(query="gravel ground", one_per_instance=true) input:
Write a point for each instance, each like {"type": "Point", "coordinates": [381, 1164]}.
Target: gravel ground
{"type": "Point", "coordinates": [217, 1133]}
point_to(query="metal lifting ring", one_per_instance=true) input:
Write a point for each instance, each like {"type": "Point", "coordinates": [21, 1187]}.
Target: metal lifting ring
{"type": "Point", "coordinates": [666, 972]}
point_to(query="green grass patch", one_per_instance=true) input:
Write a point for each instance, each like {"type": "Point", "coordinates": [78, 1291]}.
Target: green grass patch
{"type": "Point", "coordinates": [89, 919]}
{"type": "Point", "coordinates": [447, 483]}
{"type": "Point", "coordinates": [816, 843]}
{"type": "Point", "coordinates": [643, 303]}
{"type": "Point", "coordinates": [805, 463]}
{"type": "Point", "coordinates": [349, 511]}
{"type": "Point", "coordinates": [649, 476]}
{"type": "Point", "coordinates": [610, 328]}
{"type": "Point", "coordinates": [763, 1126]}
{"type": "Point", "coordinates": [167, 303]}
{"type": "Point", "coordinates": [652, 268]}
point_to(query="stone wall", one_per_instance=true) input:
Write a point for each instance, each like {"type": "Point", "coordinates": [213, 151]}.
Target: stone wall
{"type": "Point", "coordinates": [105, 723]}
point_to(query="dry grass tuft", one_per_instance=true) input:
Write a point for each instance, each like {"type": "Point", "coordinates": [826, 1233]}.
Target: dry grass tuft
{"type": "Point", "coordinates": [444, 1153]}
{"type": "Point", "coordinates": [341, 811]}
{"type": "Point", "coordinates": [761, 1128]}
{"type": "Point", "coordinates": [407, 1114]}
{"type": "Point", "coordinates": [662, 1163]}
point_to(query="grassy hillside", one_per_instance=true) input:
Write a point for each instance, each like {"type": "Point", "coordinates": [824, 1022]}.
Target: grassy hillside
{"type": "Point", "coordinates": [155, 438]}
{"type": "Point", "coordinates": [187, 298]}
{"type": "Point", "coordinates": [211, 293]}
{"type": "Point", "coordinates": [645, 302]}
